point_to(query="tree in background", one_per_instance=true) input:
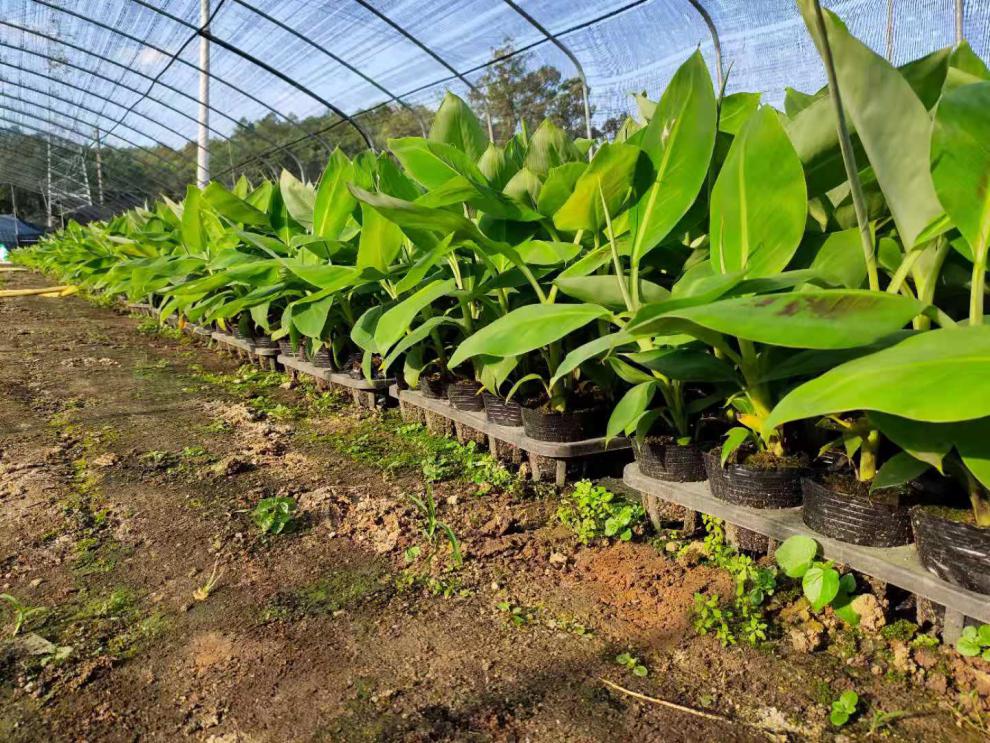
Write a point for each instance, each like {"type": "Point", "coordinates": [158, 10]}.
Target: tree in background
{"type": "Point", "coordinates": [513, 94]}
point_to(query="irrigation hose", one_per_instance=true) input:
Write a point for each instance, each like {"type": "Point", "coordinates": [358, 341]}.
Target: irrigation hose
{"type": "Point", "coordinates": [45, 291]}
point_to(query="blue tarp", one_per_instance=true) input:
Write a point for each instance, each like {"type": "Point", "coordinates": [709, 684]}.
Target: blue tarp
{"type": "Point", "coordinates": [17, 232]}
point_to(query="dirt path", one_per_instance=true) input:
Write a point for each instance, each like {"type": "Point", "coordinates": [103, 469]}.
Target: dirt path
{"type": "Point", "coordinates": [129, 464]}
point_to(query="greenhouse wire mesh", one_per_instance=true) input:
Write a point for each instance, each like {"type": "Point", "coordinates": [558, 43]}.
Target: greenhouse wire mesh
{"type": "Point", "coordinates": [112, 86]}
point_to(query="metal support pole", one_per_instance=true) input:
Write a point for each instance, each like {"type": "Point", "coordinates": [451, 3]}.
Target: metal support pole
{"type": "Point", "coordinates": [959, 21]}
{"type": "Point", "coordinates": [99, 166]}
{"type": "Point", "coordinates": [85, 174]}
{"type": "Point", "coordinates": [203, 154]}
{"type": "Point", "coordinates": [48, 197]}
{"type": "Point", "coordinates": [890, 30]}
{"type": "Point", "coordinates": [716, 43]}
{"type": "Point", "coordinates": [13, 208]}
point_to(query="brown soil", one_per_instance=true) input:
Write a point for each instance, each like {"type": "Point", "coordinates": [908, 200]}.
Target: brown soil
{"type": "Point", "coordinates": [765, 461]}
{"type": "Point", "coordinates": [126, 479]}
{"type": "Point", "coordinates": [958, 515]}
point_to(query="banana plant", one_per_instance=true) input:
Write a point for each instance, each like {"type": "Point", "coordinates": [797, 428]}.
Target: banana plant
{"type": "Point", "coordinates": [927, 393]}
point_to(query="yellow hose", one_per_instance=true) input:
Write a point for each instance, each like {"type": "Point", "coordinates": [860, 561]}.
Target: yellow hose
{"type": "Point", "coordinates": [46, 291]}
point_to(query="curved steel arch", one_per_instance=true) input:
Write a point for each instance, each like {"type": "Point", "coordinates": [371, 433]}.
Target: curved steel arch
{"type": "Point", "coordinates": [75, 87]}
{"type": "Point", "coordinates": [160, 50]}
{"type": "Point", "coordinates": [8, 176]}
{"type": "Point", "coordinates": [206, 34]}
{"type": "Point", "coordinates": [85, 91]}
{"type": "Point", "coordinates": [166, 186]}
{"type": "Point", "coordinates": [339, 60]}
{"type": "Point", "coordinates": [86, 122]}
{"type": "Point", "coordinates": [38, 172]}
{"type": "Point", "coordinates": [426, 48]}
{"type": "Point", "coordinates": [98, 76]}
{"type": "Point", "coordinates": [719, 73]}
{"type": "Point", "coordinates": [62, 42]}
{"type": "Point", "coordinates": [455, 75]}
{"type": "Point", "coordinates": [192, 118]}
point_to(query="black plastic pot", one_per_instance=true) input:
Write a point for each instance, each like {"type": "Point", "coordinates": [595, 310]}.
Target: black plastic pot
{"type": "Point", "coordinates": [574, 425]}
{"type": "Point", "coordinates": [855, 518]}
{"type": "Point", "coordinates": [463, 395]}
{"type": "Point", "coordinates": [664, 460]}
{"type": "Point", "coordinates": [736, 483]}
{"type": "Point", "coordinates": [322, 358]}
{"type": "Point", "coordinates": [285, 347]}
{"type": "Point", "coordinates": [264, 342]}
{"type": "Point", "coordinates": [502, 412]}
{"type": "Point", "coordinates": [433, 387]}
{"type": "Point", "coordinates": [957, 553]}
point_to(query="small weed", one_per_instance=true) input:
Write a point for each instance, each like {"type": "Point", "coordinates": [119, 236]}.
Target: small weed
{"type": "Point", "coordinates": [148, 369]}
{"type": "Point", "coordinates": [821, 582]}
{"type": "Point", "coordinates": [975, 642]}
{"type": "Point", "coordinates": [103, 300]}
{"type": "Point", "coordinates": [147, 325]}
{"type": "Point", "coordinates": [389, 445]}
{"type": "Point", "coordinates": [902, 629]}
{"type": "Point", "coordinates": [118, 604]}
{"type": "Point", "coordinates": [248, 381]}
{"type": "Point", "coordinates": [843, 708]}
{"type": "Point", "coordinates": [517, 614]}
{"type": "Point", "coordinates": [265, 407]}
{"type": "Point", "coordinates": [592, 512]}
{"type": "Point", "coordinates": [447, 587]}
{"type": "Point", "coordinates": [194, 452]}
{"type": "Point", "coordinates": [23, 613]}
{"type": "Point", "coordinates": [203, 592]}
{"type": "Point", "coordinates": [881, 720]}
{"type": "Point", "coordinates": [568, 624]}
{"type": "Point", "coordinates": [631, 663]}
{"type": "Point", "coordinates": [426, 506]}
{"type": "Point", "coordinates": [324, 403]}
{"type": "Point", "coordinates": [151, 326]}
{"type": "Point", "coordinates": [94, 555]}
{"type": "Point", "coordinates": [159, 460]}
{"type": "Point", "coordinates": [745, 617]}
{"type": "Point", "coordinates": [219, 425]}
{"type": "Point", "coordinates": [273, 515]}
{"type": "Point", "coordinates": [127, 644]}
{"type": "Point", "coordinates": [925, 641]}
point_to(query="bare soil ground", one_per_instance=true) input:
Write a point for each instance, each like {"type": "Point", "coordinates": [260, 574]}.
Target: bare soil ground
{"type": "Point", "coordinates": [129, 465]}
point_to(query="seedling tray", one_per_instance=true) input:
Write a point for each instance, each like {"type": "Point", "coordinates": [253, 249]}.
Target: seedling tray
{"type": "Point", "coordinates": [366, 394]}
{"type": "Point", "coordinates": [375, 385]}
{"type": "Point", "coordinates": [304, 367]}
{"type": "Point", "coordinates": [559, 452]}
{"type": "Point", "coordinates": [242, 345]}
{"type": "Point", "coordinates": [142, 308]}
{"type": "Point", "coordinates": [899, 566]}
{"type": "Point", "coordinates": [199, 330]}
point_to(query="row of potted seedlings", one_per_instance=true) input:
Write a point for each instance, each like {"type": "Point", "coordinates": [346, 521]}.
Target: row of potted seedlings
{"type": "Point", "coordinates": [789, 304]}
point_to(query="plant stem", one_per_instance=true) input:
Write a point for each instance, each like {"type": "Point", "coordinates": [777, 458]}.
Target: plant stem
{"type": "Point", "coordinates": [616, 262]}
{"type": "Point", "coordinates": [848, 154]}
{"type": "Point", "coordinates": [978, 286]}
{"type": "Point", "coordinates": [868, 456]}
{"type": "Point", "coordinates": [902, 271]}
{"type": "Point", "coordinates": [979, 498]}
{"type": "Point", "coordinates": [758, 394]}
{"type": "Point", "coordinates": [926, 281]}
